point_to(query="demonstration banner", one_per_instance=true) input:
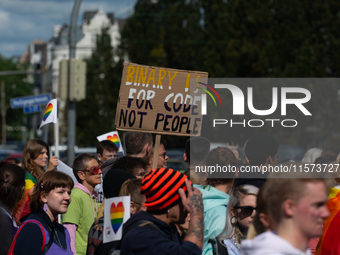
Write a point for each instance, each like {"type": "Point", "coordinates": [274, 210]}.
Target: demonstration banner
{"type": "Point", "coordinates": [160, 100]}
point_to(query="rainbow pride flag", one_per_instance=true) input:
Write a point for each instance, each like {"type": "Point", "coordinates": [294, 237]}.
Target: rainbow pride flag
{"type": "Point", "coordinates": [50, 114]}
{"type": "Point", "coordinates": [329, 243]}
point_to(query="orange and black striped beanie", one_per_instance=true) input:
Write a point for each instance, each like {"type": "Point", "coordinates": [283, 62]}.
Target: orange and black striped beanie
{"type": "Point", "coordinates": [160, 188]}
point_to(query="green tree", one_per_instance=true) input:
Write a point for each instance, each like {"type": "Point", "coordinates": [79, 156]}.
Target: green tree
{"type": "Point", "coordinates": [236, 38]}
{"type": "Point", "coordinates": [245, 39]}
{"type": "Point", "coordinates": [165, 33]}
{"type": "Point", "coordinates": [96, 113]}
{"type": "Point", "coordinates": [15, 86]}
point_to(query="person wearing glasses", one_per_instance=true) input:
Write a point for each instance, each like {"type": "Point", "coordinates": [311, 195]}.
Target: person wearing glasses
{"type": "Point", "coordinates": [240, 214]}
{"type": "Point", "coordinates": [106, 155]}
{"type": "Point", "coordinates": [162, 156]}
{"type": "Point", "coordinates": [82, 212]}
{"type": "Point", "coordinates": [133, 165]}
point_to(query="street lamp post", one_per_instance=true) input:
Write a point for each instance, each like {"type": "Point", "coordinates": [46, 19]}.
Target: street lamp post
{"type": "Point", "coordinates": [3, 113]}
{"type": "Point", "coordinates": [71, 118]}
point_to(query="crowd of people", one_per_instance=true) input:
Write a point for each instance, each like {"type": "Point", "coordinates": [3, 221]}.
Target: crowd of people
{"type": "Point", "coordinates": [47, 211]}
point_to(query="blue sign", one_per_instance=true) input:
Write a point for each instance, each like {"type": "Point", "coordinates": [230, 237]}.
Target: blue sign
{"type": "Point", "coordinates": [21, 102]}
{"type": "Point", "coordinates": [31, 109]}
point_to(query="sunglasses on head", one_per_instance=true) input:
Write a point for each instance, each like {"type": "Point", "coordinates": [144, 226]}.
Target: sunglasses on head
{"type": "Point", "coordinates": [94, 169]}
{"type": "Point", "coordinates": [246, 211]}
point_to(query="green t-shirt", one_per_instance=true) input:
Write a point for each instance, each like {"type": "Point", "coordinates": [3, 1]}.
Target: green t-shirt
{"type": "Point", "coordinates": [80, 213]}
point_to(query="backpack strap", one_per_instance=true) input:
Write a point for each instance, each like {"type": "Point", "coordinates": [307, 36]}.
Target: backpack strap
{"type": "Point", "coordinates": [47, 247]}
{"type": "Point", "coordinates": [214, 246]}
{"type": "Point", "coordinates": [218, 247]}
{"type": "Point", "coordinates": [11, 249]}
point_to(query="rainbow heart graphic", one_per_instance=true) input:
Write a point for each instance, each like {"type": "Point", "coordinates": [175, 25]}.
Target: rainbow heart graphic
{"type": "Point", "coordinates": [48, 111]}
{"type": "Point", "coordinates": [114, 139]}
{"type": "Point", "coordinates": [116, 216]}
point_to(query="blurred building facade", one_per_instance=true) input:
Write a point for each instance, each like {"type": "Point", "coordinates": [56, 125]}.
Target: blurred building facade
{"type": "Point", "coordinates": [46, 56]}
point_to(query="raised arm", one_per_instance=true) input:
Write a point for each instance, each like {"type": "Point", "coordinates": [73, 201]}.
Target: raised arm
{"type": "Point", "coordinates": [193, 203]}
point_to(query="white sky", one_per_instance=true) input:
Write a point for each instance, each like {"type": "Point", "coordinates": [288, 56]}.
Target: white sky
{"type": "Point", "coordinates": [22, 21]}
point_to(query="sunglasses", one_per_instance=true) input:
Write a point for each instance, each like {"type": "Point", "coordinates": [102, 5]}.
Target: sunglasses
{"type": "Point", "coordinates": [94, 169]}
{"type": "Point", "coordinates": [246, 211]}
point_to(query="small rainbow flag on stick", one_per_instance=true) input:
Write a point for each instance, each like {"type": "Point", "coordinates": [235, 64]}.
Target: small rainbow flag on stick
{"type": "Point", "coordinates": [50, 114]}
{"type": "Point", "coordinates": [113, 137]}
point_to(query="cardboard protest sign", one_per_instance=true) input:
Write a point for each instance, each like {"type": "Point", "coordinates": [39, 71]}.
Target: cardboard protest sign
{"type": "Point", "coordinates": [116, 213]}
{"type": "Point", "coordinates": [112, 136]}
{"type": "Point", "coordinates": [160, 100]}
